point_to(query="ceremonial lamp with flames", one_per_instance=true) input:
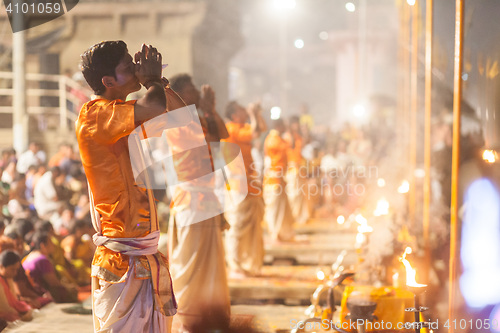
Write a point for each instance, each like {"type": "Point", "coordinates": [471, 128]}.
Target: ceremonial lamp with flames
{"type": "Point", "coordinates": [416, 288]}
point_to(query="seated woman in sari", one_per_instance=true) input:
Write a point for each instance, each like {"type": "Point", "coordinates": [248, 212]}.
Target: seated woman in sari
{"type": "Point", "coordinates": [79, 249]}
{"type": "Point", "coordinates": [24, 290]}
{"type": "Point", "coordinates": [11, 308]}
{"type": "Point", "coordinates": [41, 271]}
{"type": "Point", "coordinates": [67, 271]}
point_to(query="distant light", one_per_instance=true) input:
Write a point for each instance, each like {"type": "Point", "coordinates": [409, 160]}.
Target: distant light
{"type": "Point", "coordinates": [299, 43]}
{"type": "Point", "coordinates": [419, 173]}
{"type": "Point", "coordinates": [361, 219]}
{"type": "Point", "coordinates": [382, 208]}
{"type": "Point", "coordinates": [360, 238]}
{"type": "Point", "coordinates": [411, 2]}
{"type": "Point", "coordinates": [323, 35]}
{"type": "Point", "coordinates": [490, 156]}
{"type": "Point", "coordinates": [284, 4]}
{"type": "Point", "coordinates": [341, 219]}
{"type": "Point", "coordinates": [381, 182]}
{"type": "Point", "coordinates": [495, 317]}
{"type": "Point", "coordinates": [275, 112]}
{"type": "Point", "coordinates": [364, 229]}
{"type": "Point", "coordinates": [395, 279]}
{"type": "Point", "coordinates": [359, 110]}
{"type": "Point", "coordinates": [465, 76]}
{"type": "Point", "coordinates": [480, 249]}
{"type": "Point", "coordinates": [404, 187]}
{"type": "Point", "coordinates": [350, 7]}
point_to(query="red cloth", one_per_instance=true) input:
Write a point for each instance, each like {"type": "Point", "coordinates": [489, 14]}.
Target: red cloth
{"type": "Point", "coordinates": [19, 306]}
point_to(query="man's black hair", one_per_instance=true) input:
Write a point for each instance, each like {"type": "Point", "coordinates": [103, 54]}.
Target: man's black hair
{"type": "Point", "coordinates": [278, 123]}
{"type": "Point", "coordinates": [23, 227]}
{"type": "Point", "coordinates": [39, 238]}
{"type": "Point", "coordinates": [8, 258]}
{"type": "Point", "coordinates": [44, 226]}
{"type": "Point", "coordinates": [179, 81]}
{"type": "Point", "coordinates": [78, 225]}
{"type": "Point", "coordinates": [13, 235]}
{"type": "Point", "coordinates": [101, 60]}
{"type": "Point", "coordinates": [294, 119]}
{"type": "Point", "coordinates": [231, 108]}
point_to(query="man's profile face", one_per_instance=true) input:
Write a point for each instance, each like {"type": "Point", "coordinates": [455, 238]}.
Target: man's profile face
{"type": "Point", "coordinates": [125, 75]}
{"type": "Point", "coordinates": [10, 272]}
{"type": "Point", "coordinates": [241, 115]}
{"type": "Point", "coordinates": [34, 148]}
{"type": "Point", "coordinates": [190, 94]}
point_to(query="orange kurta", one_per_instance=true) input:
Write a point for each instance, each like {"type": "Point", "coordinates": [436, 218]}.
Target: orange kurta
{"type": "Point", "coordinates": [294, 151]}
{"type": "Point", "coordinates": [102, 131]}
{"type": "Point", "coordinates": [275, 148]}
{"type": "Point", "coordinates": [193, 166]}
{"type": "Point", "coordinates": [242, 135]}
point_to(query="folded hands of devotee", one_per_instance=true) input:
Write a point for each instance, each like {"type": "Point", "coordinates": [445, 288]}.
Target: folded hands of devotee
{"type": "Point", "coordinates": [148, 65]}
{"type": "Point", "coordinates": [254, 108]}
{"type": "Point", "coordinates": [207, 100]}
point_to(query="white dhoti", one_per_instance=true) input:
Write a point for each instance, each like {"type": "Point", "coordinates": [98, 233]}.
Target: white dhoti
{"type": "Point", "coordinates": [127, 306]}
{"type": "Point", "coordinates": [314, 195]}
{"type": "Point", "coordinates": [198, 270]}
{"type": "Point", "coordinates": [278, 213]}
{"type": "Point", "coordinates": [244, 240]}
{"type": "Point", "coordinates": [142, 299]}
{"type": "Point", "coordinates": [296, 190]}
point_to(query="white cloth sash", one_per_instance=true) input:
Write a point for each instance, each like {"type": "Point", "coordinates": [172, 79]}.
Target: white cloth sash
{"type": "Point", "coordinates": [140, 246]}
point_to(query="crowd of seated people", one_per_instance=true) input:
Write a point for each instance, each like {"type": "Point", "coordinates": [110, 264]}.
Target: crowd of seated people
{"type": "Point", "coordinates": [45, 227]}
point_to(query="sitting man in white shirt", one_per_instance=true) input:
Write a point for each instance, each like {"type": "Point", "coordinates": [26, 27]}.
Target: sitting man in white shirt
{"type": "Point", "coordinates": [33, 156]}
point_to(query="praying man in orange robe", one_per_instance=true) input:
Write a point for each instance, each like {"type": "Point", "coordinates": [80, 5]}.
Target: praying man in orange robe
{"type": "Point", "coordinates": [278, 213]}
{"type": "Point", "coordinates": [244, 242]}
{"type": "Point", "coordinates": [131, 285]}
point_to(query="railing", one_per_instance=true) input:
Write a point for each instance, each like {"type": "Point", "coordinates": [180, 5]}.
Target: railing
{"type": "Point", "coordinates": [67, 90]}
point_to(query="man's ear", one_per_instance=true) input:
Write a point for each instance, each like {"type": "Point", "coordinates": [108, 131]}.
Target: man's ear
{"type": "Point", "coordinates": [108, 81]}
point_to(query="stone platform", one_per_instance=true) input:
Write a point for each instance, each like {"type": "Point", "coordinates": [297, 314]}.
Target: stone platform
{"type": "Point", "coordinates": [290, 280]}
{"type": "Point", "coordinates": [317, 243]}
{"type": "Point", "coordinates": [263, 318]}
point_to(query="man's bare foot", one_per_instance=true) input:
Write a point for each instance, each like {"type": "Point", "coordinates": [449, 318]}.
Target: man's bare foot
{"type": "Point", "coordinates": [237, 275]}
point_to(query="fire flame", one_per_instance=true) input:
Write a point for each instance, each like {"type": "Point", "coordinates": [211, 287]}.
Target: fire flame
{"type": "Point", "coordinates": [382, 208]}
{"type": "Point", "coordinates": [361, 219]}
{"type": "Point", "coordinates": [490, 156]}
{"type": "Point", "coordinates": [395, 279]}
{"type": "Point", "coordinates": [410, 271]}
{"type": "Point", "coordinates": [381, 182]}
{"type": "Point", "coordinates": [363, 224]}
{"type": "Point", "coordinates": [405, 187]}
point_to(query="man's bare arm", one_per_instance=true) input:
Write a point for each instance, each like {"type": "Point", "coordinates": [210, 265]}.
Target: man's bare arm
{"type": "Point", "coordinates": [256, 121]}
{"type": "Point", "coordinates": [207, 105]}
{"type": "Point", "coordinates": [174, 101]}
{"type": "Point", "coordinates": [221, 126]}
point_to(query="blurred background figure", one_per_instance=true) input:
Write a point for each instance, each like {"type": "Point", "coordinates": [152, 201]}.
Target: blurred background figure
{"type": "Point", "coordinates": [49, 196]}
{"type": "Point", "coordinates": [11, 308]}
{"type": "Point", "coordinates": [42, 272]}
{"type": "Point", "coordinates": [33, 156]}
{"type": "Point", "coordinates": [278, 214]}
{"type": "Point", "coordinates": [196, 249]}
{"type": "Point", "coordinates": [297, 171]}
{"type": "Point", "coordinates": [244, 239]}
